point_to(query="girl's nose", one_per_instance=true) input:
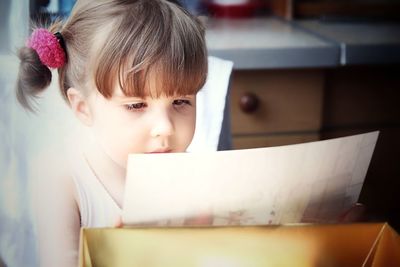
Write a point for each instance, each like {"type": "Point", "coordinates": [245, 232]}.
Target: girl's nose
{"type": "Point", "coordinates": [162, 125]}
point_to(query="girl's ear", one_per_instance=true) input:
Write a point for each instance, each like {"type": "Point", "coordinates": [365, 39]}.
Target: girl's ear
{"type": "Point", "coordinates": [80, 106]}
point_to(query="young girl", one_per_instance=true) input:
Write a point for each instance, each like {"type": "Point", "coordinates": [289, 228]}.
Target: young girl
{"type": "Point", "coordinates": [130, 71]}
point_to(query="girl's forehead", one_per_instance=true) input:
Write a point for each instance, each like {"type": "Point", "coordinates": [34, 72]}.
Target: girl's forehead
{"type": "Point", "coordinates": [152, 87]}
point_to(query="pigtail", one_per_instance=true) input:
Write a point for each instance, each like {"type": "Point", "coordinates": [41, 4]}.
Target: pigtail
{"type": "Point", "coordinates": [43, 50]}
{"type": "Point", "coordinates": [33, 77]}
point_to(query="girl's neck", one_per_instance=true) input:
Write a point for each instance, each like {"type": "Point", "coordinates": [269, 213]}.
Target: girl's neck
{"type": "Point", "coordinates": [107, 171]}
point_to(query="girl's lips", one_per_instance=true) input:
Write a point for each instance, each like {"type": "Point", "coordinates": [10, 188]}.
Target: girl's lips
{"type": "Point", "coordinates": [160, 151]}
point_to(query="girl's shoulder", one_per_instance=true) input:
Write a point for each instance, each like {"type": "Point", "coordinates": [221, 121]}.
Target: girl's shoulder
{"type": "Point", "coordinates": [50, 161]}
{"type": "Point", "coordinates": [50, 175]}
{"type": "Point", "coordinates": [55, 162]}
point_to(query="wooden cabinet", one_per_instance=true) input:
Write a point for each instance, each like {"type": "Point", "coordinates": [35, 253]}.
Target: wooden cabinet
{"type": "Point", "coordinates": [345, 9]}
{"type": "Point", "coordinates": [289, 107]}
{"type": "Point", "coordinates": [362, 97]}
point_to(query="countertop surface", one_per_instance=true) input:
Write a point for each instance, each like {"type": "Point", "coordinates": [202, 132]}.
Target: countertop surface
{"type": "Point", "coordinates": [269, 43]}
{"type": "Point", "coordinates": [360, 42]}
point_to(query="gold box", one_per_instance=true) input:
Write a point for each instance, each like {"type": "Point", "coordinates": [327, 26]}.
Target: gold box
{"type": "Point", "coordinates": [365, 244]}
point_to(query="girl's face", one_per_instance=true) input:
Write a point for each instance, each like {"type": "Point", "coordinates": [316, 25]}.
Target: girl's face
{"type": "Point", "coordinates": [124, 125]}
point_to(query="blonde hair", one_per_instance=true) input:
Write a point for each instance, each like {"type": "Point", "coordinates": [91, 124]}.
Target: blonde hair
{"type": "Point", "coordinates": [120, 42]}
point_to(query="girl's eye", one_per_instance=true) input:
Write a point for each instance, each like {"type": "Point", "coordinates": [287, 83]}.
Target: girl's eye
{"type": "Point", "coordinates": [181, 103]}
{"type": "Point", "coordinates": [136, 106]}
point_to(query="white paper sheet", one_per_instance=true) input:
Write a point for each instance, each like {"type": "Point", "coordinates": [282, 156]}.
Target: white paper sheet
{"type": "Point", "coordinates": [310, 182]}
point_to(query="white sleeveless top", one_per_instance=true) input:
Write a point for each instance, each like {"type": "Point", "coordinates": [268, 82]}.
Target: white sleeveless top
{"type": "Point", "coordinates": [97, 207]}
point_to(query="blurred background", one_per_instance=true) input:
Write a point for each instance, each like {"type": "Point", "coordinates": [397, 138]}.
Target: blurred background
{"type": "Point", "coordinates": [16, 242]}
{"type": "Point", "coordinates": [304, 70]}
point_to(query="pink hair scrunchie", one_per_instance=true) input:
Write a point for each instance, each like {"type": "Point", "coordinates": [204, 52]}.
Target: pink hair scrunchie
{"type": "Point", "coordinates": [48, 48]}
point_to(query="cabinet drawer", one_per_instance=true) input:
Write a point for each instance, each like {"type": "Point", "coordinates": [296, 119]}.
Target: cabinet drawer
{"type": "Point", "coordinates": [289, 100]}
{"type": "Point", "coordinates": [362, 97]}
{"type": "Point", "coordinates": [242, 142]}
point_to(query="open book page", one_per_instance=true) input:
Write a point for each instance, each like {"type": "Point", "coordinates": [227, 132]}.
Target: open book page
{"type": "Point", "coordinates": [310, 182]}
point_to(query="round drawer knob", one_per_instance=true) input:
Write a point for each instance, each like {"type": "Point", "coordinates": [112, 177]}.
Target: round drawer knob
{"type": "Point", "coordinates": [249, 103]}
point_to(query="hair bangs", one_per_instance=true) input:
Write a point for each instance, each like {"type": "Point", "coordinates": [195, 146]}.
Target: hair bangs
{"type": "Point", "coordinates": [163, 79]}
{"type": "Point", "coordinates": [165, 54]}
